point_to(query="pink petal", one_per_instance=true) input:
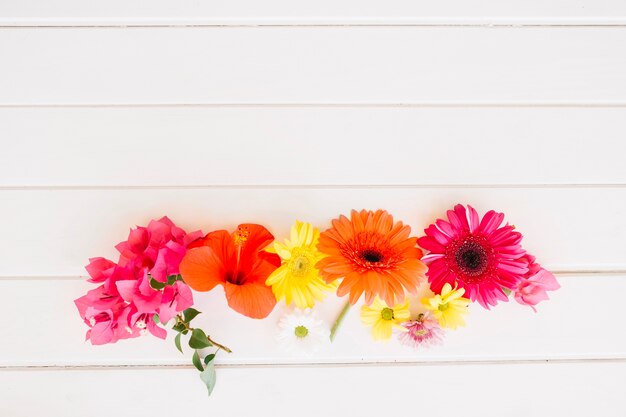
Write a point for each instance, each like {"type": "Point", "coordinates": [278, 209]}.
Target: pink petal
{"type": "Point", "coordinates": [99, 269]}
{"type": "Point", "coordinates": [474, 220]}
{"type": "Point", "coordinates": [156, 330]}
{"type": "Point", "coordinates": [547, 280]}
{"type": "Point", "coordinates": [437, 235]}
{"type": "Point", "coordinates": [461, 214]}
{"type": "Point", "coordinates": [101, 333]}
{"type": "Point", "coordinates": [126, 289]}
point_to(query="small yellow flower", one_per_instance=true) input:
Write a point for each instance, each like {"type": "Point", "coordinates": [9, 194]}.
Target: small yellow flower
{"type": "Point", "coordinates": [383, 319]}
{"type": "Point", "coordinates": [449, 307]}
{"type": "Point", "coordinates": [297, 279]}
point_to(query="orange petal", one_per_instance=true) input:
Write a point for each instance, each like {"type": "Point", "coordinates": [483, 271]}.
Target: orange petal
{"type": "Point", "coordinates": [222, 244]}
{"type": "Point", "coordinates": [254, 300]}
{"type": "Point", "coordinates": [202, 269]}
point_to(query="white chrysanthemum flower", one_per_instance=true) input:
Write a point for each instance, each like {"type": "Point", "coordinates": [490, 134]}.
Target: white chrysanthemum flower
{"type": "Point", "coordinates": [302, 333]}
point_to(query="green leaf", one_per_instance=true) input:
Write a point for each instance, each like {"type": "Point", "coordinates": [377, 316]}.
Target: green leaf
{"type": "Point", "coordinates": [156, 318]}
{"type": "Point", "coordinates": [209, 358]}
{"type": "Point", "coordinates": [172, 279]}
{"type": "Point", "coordinates": [198, 339]}
{"type": "Point", "coordinates": [179, 327]}
{"type": "Point", "coordinates": [157, 285]}
{"type": "Point", "coordinates": [209, 377]}
{"type": "Point", "coordinates": [506, 291]}
{"type": "Point", "coordinates": [177, 343]}
{"type": "Point", "coordinates": [190, 314]}
{"type": "Point", "coordinates": [195, 359]}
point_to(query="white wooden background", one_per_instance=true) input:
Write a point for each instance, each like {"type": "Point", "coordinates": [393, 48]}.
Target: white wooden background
{"type": "Point", "coordinates": [214, 113]}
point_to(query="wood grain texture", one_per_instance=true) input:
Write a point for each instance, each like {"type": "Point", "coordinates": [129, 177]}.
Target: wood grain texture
{"type": "Point", "coordinates": [557, 389]}
{"type": "Point", "coordinates": [312, 65]}
{"type": "Point", "coordinates": [54, 232]}
{"type": "Point", "coordinates": [224, 12]}
{"type": "Point", "coordinates": [179, 146]}
{"type": "Point", "coordinates": [510, 332]}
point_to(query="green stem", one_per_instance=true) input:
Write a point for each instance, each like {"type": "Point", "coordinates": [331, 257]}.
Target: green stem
{"type": "Point", "coordinates": [219, 346]}
{"type": "Point", "coordinates": [339, 320]}
{"type": "Point", "coordinates": [179, 320]}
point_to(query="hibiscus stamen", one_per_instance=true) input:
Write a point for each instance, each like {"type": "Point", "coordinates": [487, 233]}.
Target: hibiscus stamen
{"type": "Point", "coordinates": [239, 237]}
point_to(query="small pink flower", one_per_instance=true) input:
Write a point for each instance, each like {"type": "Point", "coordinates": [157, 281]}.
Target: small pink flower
{"type": "Point", "coordinates": [176, 298]}
{"type": "Point", "coordinates": [107, 321]}
{"type": "Point", "coordinates": [142, 323]}
{"type": "Point", "coordinates": [425, 331]}
{"type": "Point", "coordinates": [535, 286]}
{"type": "Point", "coordinates": [101, 326]}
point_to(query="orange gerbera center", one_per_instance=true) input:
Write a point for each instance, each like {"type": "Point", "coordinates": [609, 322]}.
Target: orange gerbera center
{"type": "Point", "coordinates": [371, 256]}
{"type": "Point", "coordinates": [369, 251]}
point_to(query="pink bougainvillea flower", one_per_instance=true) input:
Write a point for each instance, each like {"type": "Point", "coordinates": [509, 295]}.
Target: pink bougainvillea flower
{"type": "Point", "coordinates": [159, 247]}
{"type": "Point", "coordinates": [126, 304]}
{"type": "Point", "coordinates": [238, 262]}
{"type": "Point", "coordinates": [140, 293]}
{"type": "Point", "coordinates": [534, 287]}
{"type": "Point", "coordinates": [100, 269]}
{"type": "Point", "coordinates": [423, 332]}
{"type": "Point", "coordinates": [176, 298]}
{"type": "Point", "coordinates": [106, 316]}
{"type": "Point", "coordinates": [144, 323]}
{"type": "Point", "coordinates": [481, 256]}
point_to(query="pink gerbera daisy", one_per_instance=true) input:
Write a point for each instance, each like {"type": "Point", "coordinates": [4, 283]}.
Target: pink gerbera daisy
{"type": "Point", "coordinates": [479, 255]}
{"type": "Point", "coordinates": [423, 332]}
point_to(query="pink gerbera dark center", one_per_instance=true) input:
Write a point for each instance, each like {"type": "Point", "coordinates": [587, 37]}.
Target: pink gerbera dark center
{"type": "Point", "coordinates": [471, 258]}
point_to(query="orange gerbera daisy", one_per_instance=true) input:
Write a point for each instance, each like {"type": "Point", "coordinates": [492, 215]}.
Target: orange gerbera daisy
{"type": "Point", "coordinates": [373, 255]}
{"type": "Point", "coordinates": [238, 262]}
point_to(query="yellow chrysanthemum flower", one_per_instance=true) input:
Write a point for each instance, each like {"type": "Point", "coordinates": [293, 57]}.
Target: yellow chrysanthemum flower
{"type": "Point", "coordinates": [449, 307]}
{"type": "Point", "coordinates": [384, 319]}
{"type": "Point", "coordinates": [297, 279]}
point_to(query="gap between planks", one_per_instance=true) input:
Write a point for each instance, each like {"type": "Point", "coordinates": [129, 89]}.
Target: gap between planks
{"type": "Point", "coordinates": [12, 368]}
{"type": "Point", "coordinates": [317, 105]}
{"type": "Point", "coordinates": [299, 186]}
{"type": "Point", "coordinates": [433, 22]}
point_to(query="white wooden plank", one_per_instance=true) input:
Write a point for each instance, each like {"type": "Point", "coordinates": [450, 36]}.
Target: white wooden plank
{"type": "Point", "coordinates": [312, 65]}
{"type": "Point", "coordinates": [288, 145]}
{"type": "Point", "coordinates": [570, 389]}
{"type": "Point", "coordinates": [144, 12]}
{"type": "Point", "coordinates": [54, 232]}
{"type": "Point", "coordinates": [560, 330]}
